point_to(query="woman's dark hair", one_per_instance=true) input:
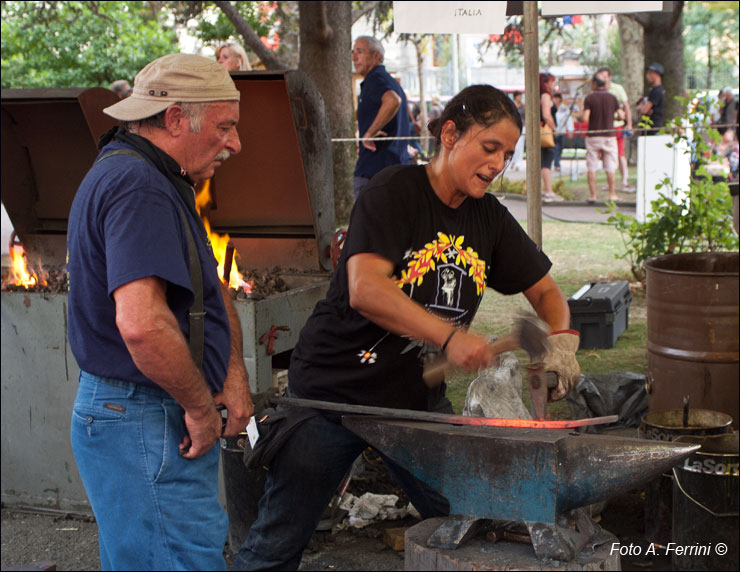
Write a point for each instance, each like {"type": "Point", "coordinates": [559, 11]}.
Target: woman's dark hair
{"type": "Point", "coordinates": [544, 79]}
{"type": "Point", "coordinates": [481, 104]}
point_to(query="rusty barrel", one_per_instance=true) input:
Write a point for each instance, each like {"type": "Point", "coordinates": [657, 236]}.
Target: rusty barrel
{"type": "Point", "coordinates": [705, 505]}
{"type": "Point", "coordinates": [692, 317]}
{"type": "Point", "coordinates": [669, 426]}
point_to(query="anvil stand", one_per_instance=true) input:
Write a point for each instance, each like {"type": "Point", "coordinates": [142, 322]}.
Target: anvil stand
{"type": "Point", "coordinates": [562, 541]}
{"type": "Point", "coordinates": [490, 549]}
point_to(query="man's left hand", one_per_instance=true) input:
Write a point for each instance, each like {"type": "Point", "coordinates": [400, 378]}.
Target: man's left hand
{"type": "Point", "coordinates": [561, 359]}
{"type": "Point", "coordinates": [371, 144]}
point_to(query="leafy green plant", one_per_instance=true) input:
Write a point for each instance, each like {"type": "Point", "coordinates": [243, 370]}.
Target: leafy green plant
{"type": "Point", "coordinates": [697, 219]}
{"type": "Point", "coordinates": [508, 186]}
{"type": "Point", "coordinates": [559, 188]}
{"type": "Point", "coordinates": [80, 44]}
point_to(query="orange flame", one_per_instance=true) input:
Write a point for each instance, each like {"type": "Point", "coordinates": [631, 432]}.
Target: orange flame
{"type": "Point", "coordinates": [220, 242]}
{"type": "Point", "coordinates": [20, 274]}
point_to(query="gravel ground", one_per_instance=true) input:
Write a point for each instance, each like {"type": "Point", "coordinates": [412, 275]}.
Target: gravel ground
{"type": "Point", "coordinates": [72, 543]}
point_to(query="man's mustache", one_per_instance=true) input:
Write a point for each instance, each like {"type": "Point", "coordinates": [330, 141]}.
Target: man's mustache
{"type": "Point", "coordinates": [223, 155]}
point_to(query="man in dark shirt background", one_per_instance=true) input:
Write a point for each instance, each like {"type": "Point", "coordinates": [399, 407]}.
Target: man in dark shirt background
{"type": "Point", "coordinates": [654, 104]}
{"type": "Point", "coordinates": [728, 115]}
{"type": "Point", "coordinates": [599, 108]}
{"type": "Point", "coordinates": [381, 111]}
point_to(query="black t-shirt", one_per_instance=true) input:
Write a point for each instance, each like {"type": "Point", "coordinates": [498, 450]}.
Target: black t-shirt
{"type": "Point", "coordinates": [443, 258]}
{"type": "Point", "coordinates": [727, 116]}
{"type": "Point", "coordinates": [657, 97]}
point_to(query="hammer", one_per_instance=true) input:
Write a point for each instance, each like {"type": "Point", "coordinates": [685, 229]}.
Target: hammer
{"type": "Point", "coordinates": [530, 334]}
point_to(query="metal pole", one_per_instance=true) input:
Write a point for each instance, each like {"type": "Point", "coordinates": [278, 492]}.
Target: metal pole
{"type": "Point", "coordinates": [455, 65]}
{"type": "Point", "coordinates": [532, 121]}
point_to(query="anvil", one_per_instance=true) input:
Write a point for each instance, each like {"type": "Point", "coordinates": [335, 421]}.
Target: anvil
{"type": "Point", "coordinates": [532, 476]}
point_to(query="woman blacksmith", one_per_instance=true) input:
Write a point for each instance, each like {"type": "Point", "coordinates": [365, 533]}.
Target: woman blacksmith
{"type": "Point", "coordinates": [423, 244]}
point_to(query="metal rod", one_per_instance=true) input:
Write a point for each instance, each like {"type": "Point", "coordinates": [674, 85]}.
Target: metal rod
{"type": "Point", "coordinates": [440, 417]}
{"type": "Point", "coordinates": [228, 259]}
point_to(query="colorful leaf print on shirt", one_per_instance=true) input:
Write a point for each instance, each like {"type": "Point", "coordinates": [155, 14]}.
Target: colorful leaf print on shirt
{"type": "Point", "coordinates": [444, 249]}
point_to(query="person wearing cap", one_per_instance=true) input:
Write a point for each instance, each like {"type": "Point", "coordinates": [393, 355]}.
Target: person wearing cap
{"type": "Point", "coordinates": [145, 422]}
{"type": "Point", "coordinates": [728, 114]}
{"type": "Point", "coordinates": [653, 105]}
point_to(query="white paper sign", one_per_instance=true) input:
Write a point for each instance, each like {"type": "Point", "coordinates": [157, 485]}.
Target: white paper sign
{"type": "Point", "coordinates": [252, 431]}
{"type": "Point", "coordinates": [449, 17]}
{"type": "Point", "coordinates": [552, 8]}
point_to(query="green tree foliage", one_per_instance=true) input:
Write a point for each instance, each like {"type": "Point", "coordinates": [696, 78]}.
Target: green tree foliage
{"type": "Point", "coordinates": [272, 21]}
{"type": "Point", "coordinates": [213, 27]}
{"type": "Point", "coordinates": [510, 43]}
{"type": "Point", "coordinates": [584, 38]}
{"type": "Point", "coordinates": [710, 43]}
{"type": "Point", "coordinates": [80, 44]}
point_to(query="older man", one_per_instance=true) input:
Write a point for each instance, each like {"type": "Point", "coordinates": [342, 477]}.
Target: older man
{"type": "Point", "coordinates": [381, 111]}
{"type": "Point", "coordinates": [152, 328]}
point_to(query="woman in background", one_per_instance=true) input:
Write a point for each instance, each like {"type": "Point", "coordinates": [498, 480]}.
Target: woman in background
{"type": "Point", "coordinates": [233, 57]}
{"type": "Point", "coordinates": [547, 154]}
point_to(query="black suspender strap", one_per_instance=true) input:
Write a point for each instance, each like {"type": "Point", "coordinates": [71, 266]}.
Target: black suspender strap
{"type": "Point", "coordinates": [196, 315]}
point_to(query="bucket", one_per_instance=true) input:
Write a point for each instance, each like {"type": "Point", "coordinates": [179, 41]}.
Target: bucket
{"type": "Point", "coordinates": [242, 487]}
{"type": "Point", "coordinates": [668, 426]}
{"type": "Point", "coordinates": [692, 340]}
{"type": "Point", "coordinates": [705, 505]}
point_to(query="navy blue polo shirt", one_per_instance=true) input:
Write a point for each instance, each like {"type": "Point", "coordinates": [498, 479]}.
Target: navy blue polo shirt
{"type": "Point", "coordinates": [376, 83]}
{"type": "Point", "coordinates": [124, 225]}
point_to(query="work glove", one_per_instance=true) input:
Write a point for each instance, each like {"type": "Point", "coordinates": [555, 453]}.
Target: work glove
{"type": "Point", "coordinates": [561, 359]}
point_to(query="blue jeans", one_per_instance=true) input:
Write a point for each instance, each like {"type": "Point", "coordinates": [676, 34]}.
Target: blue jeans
{"type": "Point", "coordinates": [307, 471]}
{"type": "Point", "coordinates": [154, 509]}
{"type": "Point", "coordinates": [559, 143]}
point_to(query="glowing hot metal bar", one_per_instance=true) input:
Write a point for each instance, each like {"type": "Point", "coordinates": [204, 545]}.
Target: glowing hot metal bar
{"type": "Point", "coordinates": [442, 417]}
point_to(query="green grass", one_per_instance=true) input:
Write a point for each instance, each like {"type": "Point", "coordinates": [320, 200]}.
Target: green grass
{"type": "Point", "coordinates": [580, 253]}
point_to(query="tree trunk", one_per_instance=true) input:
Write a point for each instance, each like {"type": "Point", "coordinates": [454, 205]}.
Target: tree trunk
{"type": "Point", "coordinates": [664, 45]}
{"type": "Point", "coordinates": [709, 63]}
{"type": "Point", "coordinates": [633, 60]}
{"type": "Point", "coordinates": [419, 45]}
{"type": "Point", "coordinates": [326, 45]}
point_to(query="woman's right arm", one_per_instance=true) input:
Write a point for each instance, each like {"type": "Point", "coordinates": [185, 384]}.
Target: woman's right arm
{"type": "Point", "coordinates": [374, 294]}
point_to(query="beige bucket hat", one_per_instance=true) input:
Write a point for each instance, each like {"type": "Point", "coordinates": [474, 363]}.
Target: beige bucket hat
{"type": "Point", "coordinates": [174, 78]}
